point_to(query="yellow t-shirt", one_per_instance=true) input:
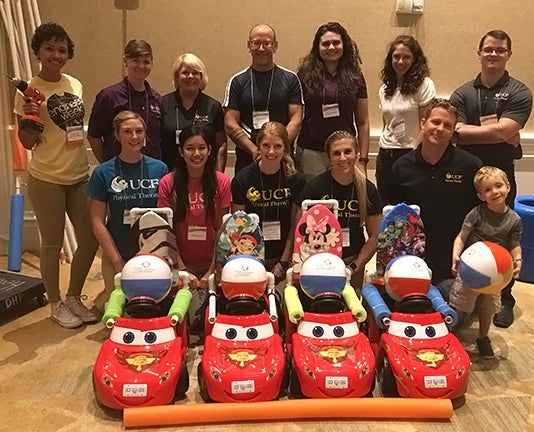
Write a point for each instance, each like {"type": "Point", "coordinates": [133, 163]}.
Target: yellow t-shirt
{"type": "Point", "coordinates": [54, 159]}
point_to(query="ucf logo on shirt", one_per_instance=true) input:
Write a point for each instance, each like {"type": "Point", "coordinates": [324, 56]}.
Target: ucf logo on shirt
{"type": "Point", "coordinates": [269, 197]}
{"type": "Point", "coordinates": [453, 178]}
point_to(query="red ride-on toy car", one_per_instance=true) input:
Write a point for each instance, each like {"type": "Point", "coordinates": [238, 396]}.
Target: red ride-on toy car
{"type": "Point", "coordinates": [329, 356]}
{"type": "Point", "coordinates": [418, 357]}
{"type": "Point", "coordinates": [143, 361]}
{"type": "Point", "coordinates": [243, 357]}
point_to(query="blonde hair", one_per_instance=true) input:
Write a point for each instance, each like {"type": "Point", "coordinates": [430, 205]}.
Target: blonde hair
{"type": "Point", "coordinates": [192, 62]}
{"type": "Point", "coordinates": [486, 172]}
{"type": "Point", "coordinates": [121, 117]}
{"type": "Point", "coordinates": [279, 130]}
{"type": "Point", "coordinates": [360, 178]}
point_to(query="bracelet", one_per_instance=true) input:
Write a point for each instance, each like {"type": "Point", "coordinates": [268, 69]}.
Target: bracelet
{"type": "Point", "coordinates": [363, 159]}
{"type": "Point", "coordinates": [518, 260]}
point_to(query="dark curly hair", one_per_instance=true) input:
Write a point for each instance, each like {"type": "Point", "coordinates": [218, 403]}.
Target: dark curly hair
{"type": "Point", "coordinates": [414, 76]}
{"type": "Point", "coordinates": [49, 31]}
{"type": "Point", "coordinates": [181, 175]}
{"type": "Point", "coordinates": [312, 68]}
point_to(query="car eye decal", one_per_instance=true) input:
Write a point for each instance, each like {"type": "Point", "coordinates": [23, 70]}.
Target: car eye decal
{"type": "Point", "coordinates": [150, 337]}
{"type": "Point", "coordinates": [417, 331]}
{"type": "Point", "coordinates": [252, 333]}
{"type": "Point", "coordinates": [409, 331]}
{"type": "Point", "coordinates": [231, 333]}
{"type": "Point", "coordinates": [126, 336]}
{"type": "Point", "coordinates": [325, 331]}
{"type": "Point", "coordinates": [243, 334]}
{"type": "Point", "coordinates": [318, 331]}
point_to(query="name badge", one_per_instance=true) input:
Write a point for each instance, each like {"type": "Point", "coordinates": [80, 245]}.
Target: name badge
{"type": "Point", "coordinates": [127, 219]}
{"type": "Point", "coordinates": [488, 119]}
{"type": "Point", "coordinates": [178, 132]}
{"type": "Point", "coordinates": [197, 233]}
{"type": "Point", "coordinates": [399, 130]}
{"type": "Point", "coordinates": [75, 136]}
{"type": "Point", "coordinates": [259, 118]}
{"type": "Point", "coordinates": [345, 232]}
{"type": "Point", "coordinates": [271, 230]}
{"type": "Point", "coordinates": [330, 110]}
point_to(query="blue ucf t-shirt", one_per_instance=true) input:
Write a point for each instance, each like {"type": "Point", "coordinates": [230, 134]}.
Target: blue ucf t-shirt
{"type": "Point", "coordinates": [124, 186]}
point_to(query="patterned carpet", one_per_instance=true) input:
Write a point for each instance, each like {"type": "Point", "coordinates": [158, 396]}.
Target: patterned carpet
{"type": "Point", "coordinates": [45, 378]}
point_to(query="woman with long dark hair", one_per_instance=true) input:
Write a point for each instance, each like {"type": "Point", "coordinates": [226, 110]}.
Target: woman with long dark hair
{"type": "Point", "coordinates": [199, 196]}
{"type": "Point", "coordinates": [335, 97]}
{"type": "Point", "coordinates": [405, 93]}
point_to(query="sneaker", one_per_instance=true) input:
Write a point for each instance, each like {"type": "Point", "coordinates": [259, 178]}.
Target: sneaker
{"type": "Point", "coordinates": [63, 316]}
{"type": "Point", "coordinates": [504, 318]}
{"type": "Point", "coordinates": [74, 303]}
{"type": "Point", "coordinates": [484, 348]}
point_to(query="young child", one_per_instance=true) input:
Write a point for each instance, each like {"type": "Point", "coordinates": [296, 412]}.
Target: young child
{"type": "Point", "coordinates": [492, 220]}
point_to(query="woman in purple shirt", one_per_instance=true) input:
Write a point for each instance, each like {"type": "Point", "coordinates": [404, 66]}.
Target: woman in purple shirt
{"type": "Point", "coordinates": [335, 97]}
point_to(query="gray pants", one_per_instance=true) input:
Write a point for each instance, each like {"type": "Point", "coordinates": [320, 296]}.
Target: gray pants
{"type": "Point", "coordinates": [311, 163]}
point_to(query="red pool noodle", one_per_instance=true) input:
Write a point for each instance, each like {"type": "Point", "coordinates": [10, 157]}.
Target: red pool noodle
{"type": "Point", "coordinates": [378, 408]}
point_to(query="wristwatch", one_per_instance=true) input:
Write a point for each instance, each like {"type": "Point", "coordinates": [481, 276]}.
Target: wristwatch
{"type": "Point", "coordinates": [363, 159]}
{"type": "Point", "coordinates": [353, 266]}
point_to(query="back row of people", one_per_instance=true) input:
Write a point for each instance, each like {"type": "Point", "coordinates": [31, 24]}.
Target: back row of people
{"type": "Point", "coordinates": [330, 74]}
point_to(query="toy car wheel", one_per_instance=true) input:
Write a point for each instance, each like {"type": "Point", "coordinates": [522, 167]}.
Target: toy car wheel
{"type": "Point", "coordinates": [183, 382]}
{"type": "Point", "coordinates": [41, 300]}
{"type": "Point", "coordinates": [110, 412]}
{"type": "Point", "coordinates": [203, 389]}
{"type": "Point", "coordinates": [285, 381]}
{"type": "Point", "coordinates": [294, 389]}
{"type": "Point", "coordinates": [388, 385]}
{"type": "Point", "coordinates": [458, 402]}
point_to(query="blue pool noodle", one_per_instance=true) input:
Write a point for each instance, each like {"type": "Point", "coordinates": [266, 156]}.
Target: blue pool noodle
{"type": "Point", "coordinates": [16, 221]}
{"type": "Point", "coordinates": [441, 306]}
{"type": "Point", "coordinates": [377, 304]}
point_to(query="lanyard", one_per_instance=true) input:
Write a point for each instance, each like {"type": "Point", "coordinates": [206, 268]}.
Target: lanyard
{"type": "Point", "coordinates": [118, 164]}
{"type": "Point", "coordinates": [333, 197]}
{"type": "Point", "coordinates": [252, 89]}
{"type": "Point", "coordinates": [262, 189]}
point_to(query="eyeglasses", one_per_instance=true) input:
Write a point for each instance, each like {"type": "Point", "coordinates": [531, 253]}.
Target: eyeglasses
{"type": "Point", "coordinates": [498, 51]}
{"type": "Point", "coordinates": [265, 44]}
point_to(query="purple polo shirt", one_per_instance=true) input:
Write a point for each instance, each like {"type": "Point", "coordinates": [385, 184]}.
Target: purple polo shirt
{"type": "Point", "coordinates": [316, 129]}
{"type": "Point", "coordinates": [119, 97]}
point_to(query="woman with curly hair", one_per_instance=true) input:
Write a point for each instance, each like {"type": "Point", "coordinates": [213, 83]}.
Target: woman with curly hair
{"type": "Point", "coordinates": [404, 96]}
{"type": "Point", "coordinates": [335, 97]}
{"type": "Point", "coordinates": [270, 188]}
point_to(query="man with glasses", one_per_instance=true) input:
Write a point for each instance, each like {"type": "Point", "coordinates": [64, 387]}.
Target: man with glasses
{"type": "Point", "coordinates": [262, 92]}
{"type": "Point", "coordinates": [492, 109]}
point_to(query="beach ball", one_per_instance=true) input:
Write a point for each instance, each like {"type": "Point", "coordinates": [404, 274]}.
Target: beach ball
{"type": "Point", "coordinates": [406, 276]}
{"type": "Point", "coordinates": [486, 267]}
{"type": "Point", "coordinates": [243, 275]}
{"type": "Point", "coordinates": [323, 273]}
{"type": "Point", "coordinates": [146, 275]}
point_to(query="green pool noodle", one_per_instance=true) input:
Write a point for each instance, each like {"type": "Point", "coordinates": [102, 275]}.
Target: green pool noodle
{"type": "Point", "coordinates": [180, 304]}
{"type": "Point", "coordinates": [353, 303]}
{"type": "Point", "coordinates": [295, 312]}
{"type": "Point", "coordinates": [115, 306]}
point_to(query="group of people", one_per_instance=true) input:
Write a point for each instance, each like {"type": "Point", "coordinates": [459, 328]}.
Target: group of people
{"type": "Point", "coordinates": [297, 135]}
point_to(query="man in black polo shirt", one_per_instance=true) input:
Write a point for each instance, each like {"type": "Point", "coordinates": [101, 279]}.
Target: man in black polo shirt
{"type": "Point", "coordinates": [262, 92]}
{"type": "Point", "coordinates": [439, 178]}
{"type": "Point", "coordinates": [492, 109]}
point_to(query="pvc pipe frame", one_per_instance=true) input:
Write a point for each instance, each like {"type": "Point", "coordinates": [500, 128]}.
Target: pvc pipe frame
{"type": "Point", "coordinates": [344, 408]}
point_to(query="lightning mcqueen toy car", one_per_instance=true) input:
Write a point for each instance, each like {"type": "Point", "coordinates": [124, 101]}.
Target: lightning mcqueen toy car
{"type": "Point", "coordinates": [243, 360]}
{"type": "Point", "coordinates": [141, 364]}
{"type": "Point", "coordinates": [419, 358]}
{"type": "Point", "coordinates": [330, 358]}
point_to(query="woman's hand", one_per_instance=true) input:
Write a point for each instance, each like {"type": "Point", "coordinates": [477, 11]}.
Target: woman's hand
{"type": "Point", "coordinates": [194, 283]}
{"type": "Point", "coordinates": [279, 271]}
{"type": "Point", "coordinates": [30, 108]}
{"type": "Point", "coordinates": [454, 267]}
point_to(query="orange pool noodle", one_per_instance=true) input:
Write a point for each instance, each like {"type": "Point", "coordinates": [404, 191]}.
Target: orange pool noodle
{"type": "Point", "coordinates": [377, 408]}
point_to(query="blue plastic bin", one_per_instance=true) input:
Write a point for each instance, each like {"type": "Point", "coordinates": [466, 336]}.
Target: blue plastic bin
{"type": "Point", "coordinates": [524, 206]}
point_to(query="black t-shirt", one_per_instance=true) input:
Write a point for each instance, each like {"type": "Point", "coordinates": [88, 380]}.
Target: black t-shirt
{"type": "Point", "coordinates": [205, 112]}
{"type": "Point", "coordinates": [325, 187]}
{"type": "Point", "coordinates": [445, 193]}
{"type": "Point", "coordinates": [270, 197]}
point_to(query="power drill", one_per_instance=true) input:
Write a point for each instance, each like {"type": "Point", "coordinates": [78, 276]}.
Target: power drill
{"type": "Point", "coordinates": [32, 124]}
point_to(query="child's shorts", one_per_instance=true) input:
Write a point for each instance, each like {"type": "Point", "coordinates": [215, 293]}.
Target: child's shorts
{"type": "Point", "coordinates": [466, 299]}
